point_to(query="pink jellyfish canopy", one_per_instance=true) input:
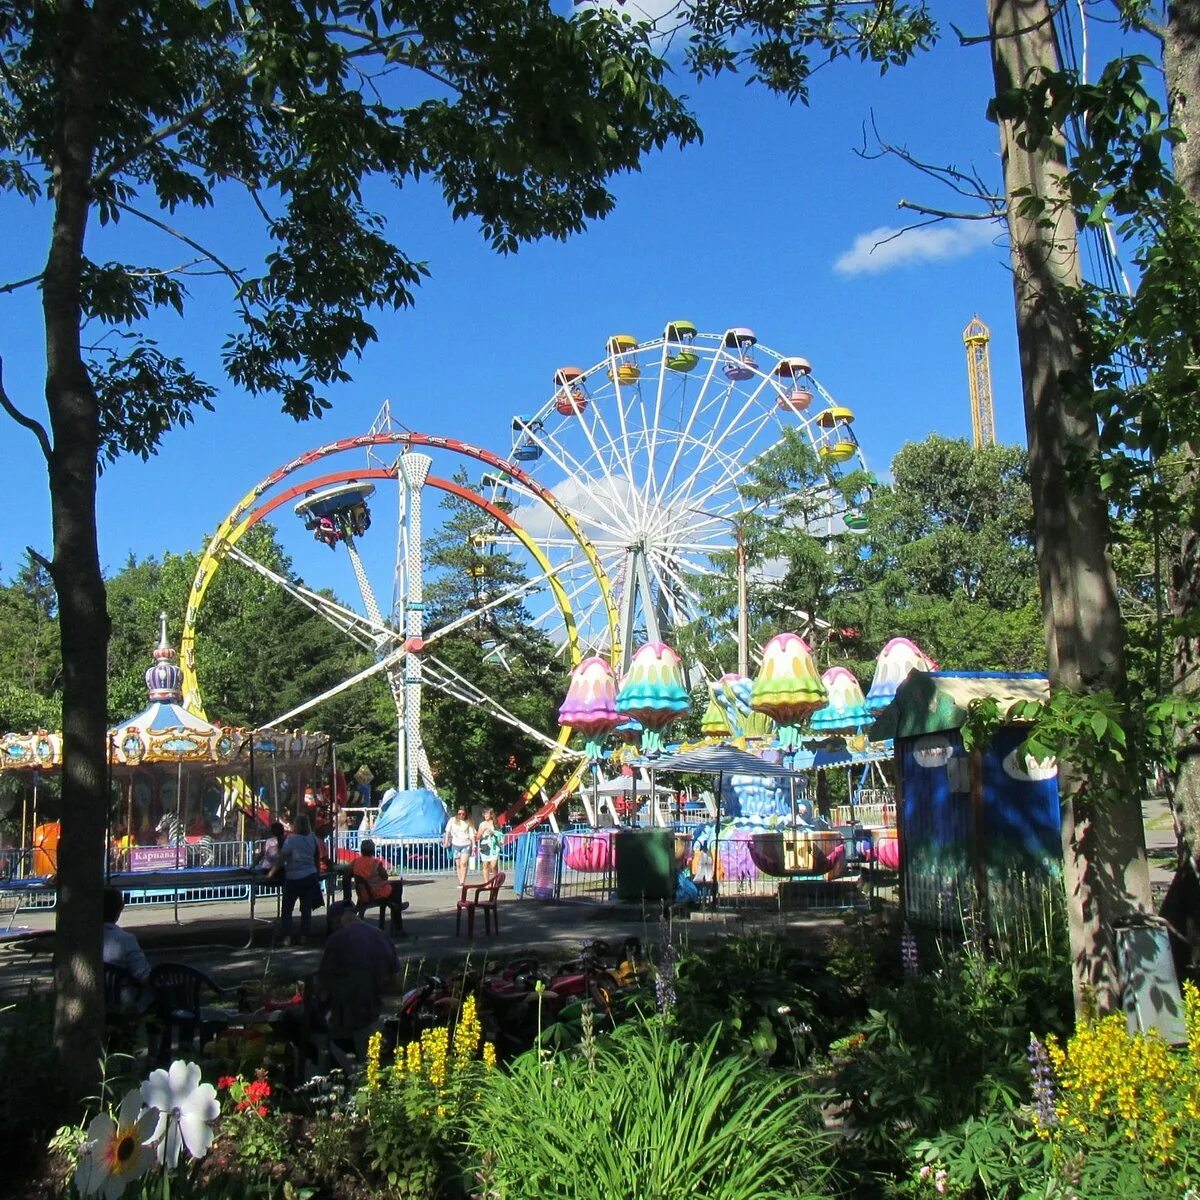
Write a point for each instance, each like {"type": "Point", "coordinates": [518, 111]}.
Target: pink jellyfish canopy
{"type": "Point", "coordinates": [896, 660]}
{"type": "Point", "coordinates": [654, 692]}
{"type": "Point", "coordinates": [787, 687]}
{"type": "Point", "coordinates": [590, 704]}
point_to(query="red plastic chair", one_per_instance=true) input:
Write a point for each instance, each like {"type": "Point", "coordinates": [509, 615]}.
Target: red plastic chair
{"type": "Point", "coordinates": [486, 899]}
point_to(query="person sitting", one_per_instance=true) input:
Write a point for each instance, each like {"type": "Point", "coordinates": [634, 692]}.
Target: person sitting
{"type": "Point", "coordinates": [360, 952]}
{"type": "Point", "coordinates": [372, 874]}
{"type": "Point", "coordinates": [122, 949]}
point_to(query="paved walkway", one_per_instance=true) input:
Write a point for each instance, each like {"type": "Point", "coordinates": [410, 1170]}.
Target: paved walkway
{"type": "Point", "coordinates": [214, 935]}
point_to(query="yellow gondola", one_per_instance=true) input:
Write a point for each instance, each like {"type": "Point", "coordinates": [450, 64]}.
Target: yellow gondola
{"type": "Point", "coordinates": [620, 350]}
{"type": "Point", "coordinates": [838, 443]}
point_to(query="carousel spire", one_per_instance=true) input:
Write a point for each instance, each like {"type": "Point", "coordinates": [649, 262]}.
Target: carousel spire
{"type": "Point", "coordinates": [164, 680]}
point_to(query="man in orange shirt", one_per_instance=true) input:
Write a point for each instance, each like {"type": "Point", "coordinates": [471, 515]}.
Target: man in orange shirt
{"type": "Point", "coordinates": [371, 879]}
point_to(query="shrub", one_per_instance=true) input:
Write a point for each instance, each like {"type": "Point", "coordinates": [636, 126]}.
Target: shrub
{"type": "Point", "coordinates": [643, 1115]}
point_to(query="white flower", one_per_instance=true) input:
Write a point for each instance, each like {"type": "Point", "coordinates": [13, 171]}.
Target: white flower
{"type": "Point", "coordinates": [185, 1109]}
{"type": "Point", "coordinates": [115, 1152]}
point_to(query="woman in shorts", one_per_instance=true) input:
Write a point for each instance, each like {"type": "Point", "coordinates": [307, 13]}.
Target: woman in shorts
{"type": "Point", "coordinates": [488, 838]}
{"type": "Point", "coordinates": [460, 841]}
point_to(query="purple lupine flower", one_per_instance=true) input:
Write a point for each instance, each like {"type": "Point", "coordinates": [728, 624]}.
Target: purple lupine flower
{"type": "Point", "coordinates": [908, 953]}
{"type": "Point", "coordinates": [1043, 1084]}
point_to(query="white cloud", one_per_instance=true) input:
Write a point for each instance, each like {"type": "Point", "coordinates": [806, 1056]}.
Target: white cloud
{"type": "Point", "coordinates": [886, 248]}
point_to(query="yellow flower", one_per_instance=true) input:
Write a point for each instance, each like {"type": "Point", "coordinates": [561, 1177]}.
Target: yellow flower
{"type": "Point", "coordinates": [374, 1053]}
{"type": "Point", "coordinates": [489, 1054]}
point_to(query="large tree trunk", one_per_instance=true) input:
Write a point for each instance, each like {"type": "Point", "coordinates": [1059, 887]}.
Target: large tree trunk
{"type": "Point", "coordinates": [1181, 60]}
{"type": "Point", "coordinates": [1104, 854]}
{"type": "Point", "coordinates": [1181, 52]}
{"type": "Point", "coordinates": [83, 616]}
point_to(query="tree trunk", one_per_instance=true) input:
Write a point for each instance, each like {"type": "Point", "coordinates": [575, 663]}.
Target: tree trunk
{"type": "Point", "coordinates": [83, 615]}
{"type": "Point", "coordinates": [1181, 61]}
{"type": "Point", "coordinates": [1104, 855]}
{"type": "Point", "coordinates": [1181, 53]}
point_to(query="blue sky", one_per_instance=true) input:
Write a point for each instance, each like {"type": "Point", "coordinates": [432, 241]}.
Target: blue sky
{"type": "Point", "coordinates": [767, 224]}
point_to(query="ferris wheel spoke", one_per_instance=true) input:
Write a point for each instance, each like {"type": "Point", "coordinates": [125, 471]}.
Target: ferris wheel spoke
{"type": "Point", "coordinates": [618, 448]}
{"type": "Point", "coordinates": [362, 629]}
{"type": "Point", "coordinates": [728, 481]}
{"type": "Point", "coordinates": [685, 436]}
{"type": "Point", "coordinates": [605, 465]}
{"type": "Point", "coordinates": [573, 469]}
{"type": "Point", "coordinates": [667, 570]}
{"type": "Point", "coordinates": [384, 664]}
{"type": "Point", "coordinates": [742, 430]}
{"type": "Point", "coordinates": [718, 433]}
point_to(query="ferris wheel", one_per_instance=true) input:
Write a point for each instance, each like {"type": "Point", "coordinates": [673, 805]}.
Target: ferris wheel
{"type": "Point", "coordinates": [365, 499]}
{"type": "Point", "coordinates": [650, 449]}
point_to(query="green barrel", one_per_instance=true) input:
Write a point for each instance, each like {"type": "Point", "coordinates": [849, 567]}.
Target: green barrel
{"type": "Point", "coordinates": [645, 864]}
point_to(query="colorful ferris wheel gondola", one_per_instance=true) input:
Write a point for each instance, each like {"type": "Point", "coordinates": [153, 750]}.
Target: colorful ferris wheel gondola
{"type": "Point", "coordinates": [623, 367]}
{"type": "Point", "coordinates": [838, 443]}
{"type": "Point", "coordinates": [680, 346]}
{"type": "Point", "coordinates": [527, 448]}
{"type": "Point", "coordinates": [739, 342]}
{"type": "Point", "coordinates": [570, 399]}
{"type": "Point", "coordinates": [795, 394]}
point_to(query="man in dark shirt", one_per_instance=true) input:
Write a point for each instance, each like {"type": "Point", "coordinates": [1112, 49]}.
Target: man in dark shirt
{"type": "Point", "coordinates": [358, 966]}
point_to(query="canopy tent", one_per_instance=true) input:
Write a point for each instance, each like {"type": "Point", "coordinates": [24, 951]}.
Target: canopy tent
{"type": "Point", "coordinates": [417, 813]}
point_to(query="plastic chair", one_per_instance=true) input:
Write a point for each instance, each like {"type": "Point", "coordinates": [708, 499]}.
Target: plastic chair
{"type": "Point", "coordinates": [179, 991]}
{"type": "Point", "coordinates": [393, 903]}
{"type": "Point", "coordinates": [486, 899]}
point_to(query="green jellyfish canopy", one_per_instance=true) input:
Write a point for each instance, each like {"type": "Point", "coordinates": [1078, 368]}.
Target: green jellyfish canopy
{"type": "Point", "coordinates": [787, 686]}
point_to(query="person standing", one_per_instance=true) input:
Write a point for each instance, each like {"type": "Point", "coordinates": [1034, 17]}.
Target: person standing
{"type": "Point", "coordinates": [460, 841]}
{"type": "Point", "coordinates": [488, 838]}
{"type": "Point", "coordinates": [301, 858]}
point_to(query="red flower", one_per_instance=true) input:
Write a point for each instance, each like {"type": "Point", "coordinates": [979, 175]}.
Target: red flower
{"type": "Point", "coordinates": [226, 1081]}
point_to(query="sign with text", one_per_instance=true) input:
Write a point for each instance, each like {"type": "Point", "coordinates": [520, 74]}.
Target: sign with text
{"type": "Point", "coordinates": [157, 858]}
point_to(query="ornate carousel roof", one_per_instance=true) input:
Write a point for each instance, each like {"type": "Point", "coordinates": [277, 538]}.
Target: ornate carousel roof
{"type": "Point", "coordinates": [166, 732]}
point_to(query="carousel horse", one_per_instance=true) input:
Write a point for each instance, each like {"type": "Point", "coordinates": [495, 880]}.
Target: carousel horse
{"type": "Point", "coordinates": [200, 852]}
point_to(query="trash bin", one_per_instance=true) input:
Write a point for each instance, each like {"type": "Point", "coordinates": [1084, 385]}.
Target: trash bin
{"type": "Point", "coordinates": [645, 864]}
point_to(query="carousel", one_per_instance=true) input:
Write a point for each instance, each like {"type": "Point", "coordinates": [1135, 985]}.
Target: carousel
{"type": "Point", "coordinates": [184, 791]}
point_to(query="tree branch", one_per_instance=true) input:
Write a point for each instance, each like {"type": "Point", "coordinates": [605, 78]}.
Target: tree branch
{"type": "Point", "coordinates": [5, 288]}
{"type": "Point", "coordinates": [33, 426]}
{"type": "Point", "coordinates": [41, 560]}
{"type": "Point", "coordinates": [942, 214]}
{"type": "Point", "coordinates": [968, 184]}
{"type": "Point", "coordinates": [226, 269]}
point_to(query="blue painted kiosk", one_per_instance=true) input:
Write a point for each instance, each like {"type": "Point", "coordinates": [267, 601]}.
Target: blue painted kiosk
{"type": "Point", "coordinates": [972, 825]}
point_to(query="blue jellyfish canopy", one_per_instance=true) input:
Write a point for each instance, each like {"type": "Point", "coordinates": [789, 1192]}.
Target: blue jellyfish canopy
{"type": "Point", "coordinates": [410, 814]}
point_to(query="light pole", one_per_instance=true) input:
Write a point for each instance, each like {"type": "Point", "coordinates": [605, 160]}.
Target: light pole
{"type": "Point", "coordinates": [743, 606]}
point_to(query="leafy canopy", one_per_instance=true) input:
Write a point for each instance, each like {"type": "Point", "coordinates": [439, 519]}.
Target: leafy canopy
{"type": "Point", "coordinates": [520, 115]}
